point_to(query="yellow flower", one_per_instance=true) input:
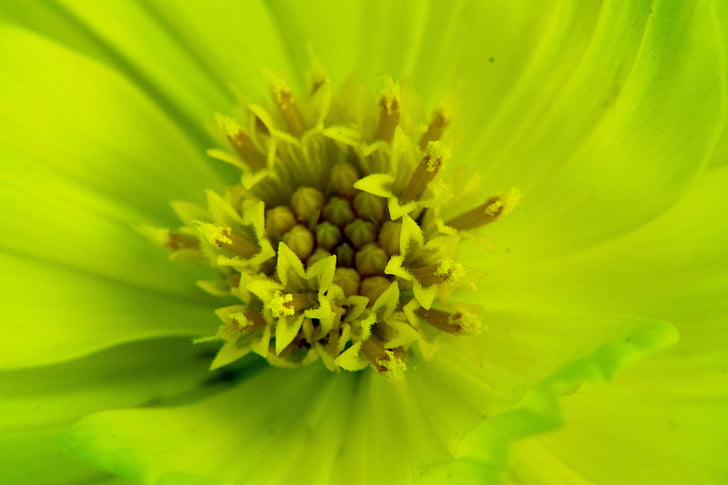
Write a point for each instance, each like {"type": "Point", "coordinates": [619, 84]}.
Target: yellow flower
{"type": "Point", "coordinates": [605, 116]}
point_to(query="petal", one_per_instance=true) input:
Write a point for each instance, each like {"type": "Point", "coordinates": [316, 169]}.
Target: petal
{"type": "Point", "coordinates": [52, 313]}
{"type": "Point", "coordinates": [37, 404]}
{"type": "Point", "coordinates": [81, 276]}
{"type": "Point", "coordinates": [113, 140]}
{"type": "Point", "coordinates": [662, 422]}
{"type": "Point", "coordinates": [674, 268]}
{"type": "Point", "coordinates": [484, 453]}
{"type": "Point", "coordinates": [307, 426]}
{"type": "Point", "coordinates": [591, 131]}
{"type": "Point", "coordinates": [665, 420]}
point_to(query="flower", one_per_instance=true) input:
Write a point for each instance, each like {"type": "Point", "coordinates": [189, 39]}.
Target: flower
{"type": "Point", "coordinates": [606, 117]}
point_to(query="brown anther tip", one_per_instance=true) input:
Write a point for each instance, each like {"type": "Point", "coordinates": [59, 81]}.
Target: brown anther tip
{"type": "Point", "coordinates": [176, 241]}
{"type": "Point", "coordinates": [442, 320]}
{"type": "Point", "coordinates": [435, 129]}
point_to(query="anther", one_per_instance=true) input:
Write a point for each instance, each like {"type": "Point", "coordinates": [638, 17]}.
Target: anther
{"type": "Point", "coordinates": [242, 143]}
{"type": "Point", "coordinates": [371, 260]}
{"type": "Point", "coordinates": [389, 235]}
{"type": "Point", "coordinates": [306, 203]}
{"type": "Point", "coordinates": [343, 176]}
{"type": "Point", "coordinates": [225, 238]}
{"type": "Point", "coordinates": [176, 241]}
{"type": "Point", "coordinates": [348, 279]}
{"type": "Point", "coordinates": [440, 272]}
{"type": "Point", "coordinates": [389, 111]}
{"type": "Point", "coordinates": [435, 155]}
{"type": "Point", "coordinates": [445, 321]}
{"type": "Point", "coordinates": [300, 240]}
{"type": "Point", "coordinates": [278, 221]}
{"type": "Point", "coordinates": [463, 323]}
{"type": "Point", "coordinates": [327, 235]}
{"type": "Point", "coordinates": [284, 304]}
{"type": "Point", "coordinates": [360, 232]}
{"type": "Point", "coordinates": [338, 211]}
{"type": "Point", "coordinates": [254, 321]}
{"type": "Point", "coordinates": [490, 211]}
{"type": "Point", "coordinates": [283, 98]}
{"type": "Point", "coordinates": [370, 207]}
{"type": "Point", "coordinates": [435, 129]}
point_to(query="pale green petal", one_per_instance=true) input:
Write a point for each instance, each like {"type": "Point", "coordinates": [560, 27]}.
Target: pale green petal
{"type": "Point", "coordinates": [236, 40]}
{"type": "Point", "coordinates": [113, 140]}
{"type": "Point", "coordinates": [665, 420]}
{"type": "Point", "coordinates": [600, 132]}
{"type": "Point", "coordinates": [52, 313]}
{"type": "Point", "coordinates": [662, 422]}
{"type": "Point", "coordinates": [319, 428]}
{"type": "Point", "coordinates": [128, 37]}
{"type": "Point", "coordinates": [484, 454]}
{"type": "Point", "coordinates": [36, 405]}
{"type": "Point", "coordinates": [674, 268]}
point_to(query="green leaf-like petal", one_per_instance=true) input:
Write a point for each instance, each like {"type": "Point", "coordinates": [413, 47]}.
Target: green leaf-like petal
{"type": "Point", "coordinates": [37, 404]}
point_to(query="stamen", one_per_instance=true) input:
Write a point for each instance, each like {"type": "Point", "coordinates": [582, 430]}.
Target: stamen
{"type": "Point", "coordinates": [431, 163]}
{"type": "Point", "coordinates": [389, 111]}
{"type": "Point", "coordinates": [388, 362]}
{"type": "Point", "coordinates": [254, 321]}
{"type": "Point", "coordinates": [176, 241]}
{"type": "Point", "coordinates": [287, 107]}
{"type": "Point", "coordinates": [225, 238]}
{"type": "Point", "coordinates": [287, 304]}
{"type": "Point", "coordinates": [435, 129]}
{"type": "Point", "coordinates": [445, 321]}
{"type": "Point", "coordinates": [242, 143]}
{"type": "Point", "coordinates": [493, 209]}
{"type": "Point", "coordinates": [441, 272]}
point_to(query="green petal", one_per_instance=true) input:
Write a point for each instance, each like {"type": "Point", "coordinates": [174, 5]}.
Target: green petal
{"type": "Point", "coordinates": [60, 125]}
{"type": "Point", "coordinates": [591, 131]}
{"type": "Point", "coordinates": [231, 41]}
{"type": "Point", "coordinates": [52, 313]}
{"type": "Point", "coordinates": [662, 422]}
{"type": "Point", "coordinates": [307, 426]}
{"type": "Point", "coordinates": [674, 268]}
{"type": "Point", "coordinates": [131, 39]}
{"type": "Point", "coordinates": [37, 404]}
{"type": "Point", "coordinates": [665, 420]}
{"type": "Point", "coordinates": [484, 453]}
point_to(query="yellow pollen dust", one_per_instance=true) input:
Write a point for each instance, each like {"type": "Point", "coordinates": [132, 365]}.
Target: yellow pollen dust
{"type": "Point", "coordinates": [333, 242]}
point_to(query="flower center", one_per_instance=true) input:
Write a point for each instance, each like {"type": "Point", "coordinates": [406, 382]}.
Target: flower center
{"type": "Point", "coordinates": [335, 242]}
